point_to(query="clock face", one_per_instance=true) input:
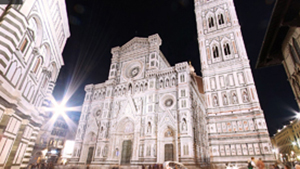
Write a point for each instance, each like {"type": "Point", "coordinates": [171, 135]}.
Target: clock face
{"type": "Point", "coordinates": [169, 102]}
{"type": "Point", "coordinates": [135, 71]}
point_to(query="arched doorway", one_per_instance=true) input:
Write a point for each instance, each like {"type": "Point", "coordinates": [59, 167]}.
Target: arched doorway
{"type": "Point", "coordinates": [126, 152]}
{"type": "Point", "coordinates": [90, 155]}
{"type": "Point", "coordinates": [90, 141]}
{"type": "Point", "coordinates": [125, 140]}
{"type": "Point", "coordinates": [169, 152]}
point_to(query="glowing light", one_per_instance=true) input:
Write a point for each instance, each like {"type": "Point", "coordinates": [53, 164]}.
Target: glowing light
{"type": "Point", "coordinates": [275, 150]}
{"type": "Point", "coordinates": [68, 149]}
{"type": "Point", "coordinates": [53, 151]}
{"type": "Point", "coordinates": [278, 130]}
{"type": "Point", "coordinates": [59, 109]}
{"type": "Point", "coordinates": [44, 152]}
{"type": "Point", "coordinates": [294, 143]}
{"type": "Point", "coordinates": [298, 115]}
{"type": "Point", "coordinates": [298, 157]}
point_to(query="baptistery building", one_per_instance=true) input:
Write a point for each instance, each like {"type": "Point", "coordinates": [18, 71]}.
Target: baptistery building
{"type": "Point", "coordinates": [33, 34]}
{"type": "Point", "coordinates": [147, 111]}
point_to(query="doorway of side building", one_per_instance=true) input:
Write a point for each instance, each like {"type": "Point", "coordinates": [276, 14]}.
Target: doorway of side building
{"type": "Point", "coordinates": [126, 152]}
{"type": "Point", "coordinates": [90, 155]}
{"type": "Point", "coordinates": [169, 152]}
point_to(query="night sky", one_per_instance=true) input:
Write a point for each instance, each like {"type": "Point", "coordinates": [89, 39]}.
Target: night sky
{"type": "Point", "coordinates": [98, 25]}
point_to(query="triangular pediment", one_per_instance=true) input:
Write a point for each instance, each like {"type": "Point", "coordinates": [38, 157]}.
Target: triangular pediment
{"type": "Point", "coordinates": [167, 118]}
{"type": "Point", "coordinates": [134, 44]}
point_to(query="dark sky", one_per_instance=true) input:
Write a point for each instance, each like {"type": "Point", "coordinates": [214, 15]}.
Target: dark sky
{"type": "Point", "coordinates": [98, 25]}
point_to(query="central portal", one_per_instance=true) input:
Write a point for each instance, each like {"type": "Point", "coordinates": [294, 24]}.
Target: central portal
{"type": "Point", "coordinates": [169, 152]}
{"type": "Point", "coordinates": [90, 155]}
{"type": "Point", "coordinates": [126, 152]}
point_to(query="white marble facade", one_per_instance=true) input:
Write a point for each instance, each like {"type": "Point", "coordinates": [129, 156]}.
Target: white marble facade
{"type": "Point", "coordinates": [236, 123]}
{"type": "Point", "coordinates": [33, 34]}
{"type": "Point", "coordinates": [150, 107]}
{"type": "Point", "coordinates": [147, 102]}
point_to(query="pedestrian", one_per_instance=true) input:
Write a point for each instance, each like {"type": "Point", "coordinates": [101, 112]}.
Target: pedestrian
{"type": "Point", "coordinates": [251, 163]}
{"type": "Point", "coordinates": [287, 166]}
{"type": "Point", "coordinates": [260, 164]}
{"type": "Point", "coordinates": [297, 166]}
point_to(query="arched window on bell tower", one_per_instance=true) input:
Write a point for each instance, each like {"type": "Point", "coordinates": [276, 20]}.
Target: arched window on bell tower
{"type": "Point", "coordinates": [211, 22]}
{"type": "Point", "coordinates": [226, 49]}
{"type": "Point", "coordinates": [221, 19]}
{"type": "Point", "coordinates": [215, 50]}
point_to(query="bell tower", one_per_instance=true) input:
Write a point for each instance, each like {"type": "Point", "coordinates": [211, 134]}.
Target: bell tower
{"type": "Point", "coordinates": [236, 123]}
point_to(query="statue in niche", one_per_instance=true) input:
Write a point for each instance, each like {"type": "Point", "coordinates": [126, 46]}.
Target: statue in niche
{"type": "Point", "coordinates": [141, 154]}
{"type": "Point", "coordinates": [148, 150]}
{"type": "Point", "coordinates": [142, 131]}
{"type": "Point", "coordinates": [168, 133]}
{"type": "Point", "coordinates": [117, 152]}
{"type": "Point", "coordinates": [173, 81]}
{"type": "Point", "coordinates": [245, 97]}
{"type": "Point", "coordinates": [184, 127]}
{"type": "Point", "coordinates": [154, 150]}
{"type": "Point", "coordinates": [130, 89]}
{"type": "Point", "coordinates": [149, 127]}
{"type": "Point", "coordinates": [215, 101]}
{"type": "Point", "coordinates": [101, 132]}
{"type": "Point", "coordinates": [98, 151]}
{"type": "Point", "coordinates": [225, 99]}
{"type": "Point", "coordinates": [104, 152]}
{"type": "Point", "coordinates": [161, 84]}
{"type": "Point", "coordinates": [234, 98]}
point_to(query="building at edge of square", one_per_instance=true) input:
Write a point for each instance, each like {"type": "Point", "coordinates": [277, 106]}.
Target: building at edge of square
{"type": "Point", "coordinates": [33, 35]}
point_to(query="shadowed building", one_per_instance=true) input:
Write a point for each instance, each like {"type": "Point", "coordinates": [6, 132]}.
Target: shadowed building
{"type": "Point", "coordinates": [281, 44]}
{"type": "Point", "coordinates": [33, 34]}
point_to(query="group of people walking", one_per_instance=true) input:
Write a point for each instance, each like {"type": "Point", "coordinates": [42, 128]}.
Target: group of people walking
{"type": "Point", "coordinates": [253, 164]}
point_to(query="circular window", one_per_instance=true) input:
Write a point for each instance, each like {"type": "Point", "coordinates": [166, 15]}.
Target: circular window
{"type": "Point", "coordinates": [132, 69]}
{"type": "Point", "coordinates": [135, 71]}
{"type": "Point", "coordinates": [169, 102]}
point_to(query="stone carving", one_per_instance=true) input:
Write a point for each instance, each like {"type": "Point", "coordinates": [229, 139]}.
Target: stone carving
{"type": "Point", "coordinates": [154, 150]}
{"type": "Point", "coordinates": [149, 128]}
{"type": "Point", "coordinates": [128, 128]}
{"type": "Point", "coordinates": [215, 101]}
{"type": "Point", "coordinates": [245, 97]}
{"type": "Point", "coordinates": [225, 100]}
{"type": "Point", "coordinates": [141, 150]}
{"type": "Point", "coordinates": [104, 152]}
{"type": "Point", "coordinates": [183, 125]}
{"type": "Point", "coordinates": [168, 133]}
{"type": "Point", "coordinates": [234, 98]}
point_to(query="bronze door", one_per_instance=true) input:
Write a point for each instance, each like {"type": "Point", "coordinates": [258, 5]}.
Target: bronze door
{"type": "Point", "coordinates": [126, 152]}
{"type": "Point", "coordinates": [90, 155]}
{"type": "Point", "coordinates": [169, 152]}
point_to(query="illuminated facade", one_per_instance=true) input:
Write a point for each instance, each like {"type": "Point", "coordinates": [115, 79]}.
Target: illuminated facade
{"type": "Point", "coordinates": [286, 142]}
{"type": "Point", "coordinates": [147, 112]}
{"type": "Point", "coordinates": [236, 123]}
{"type": "Point", "coordinates": [147, 105]}
{"type": "Point", "coordinates": [33, 35]}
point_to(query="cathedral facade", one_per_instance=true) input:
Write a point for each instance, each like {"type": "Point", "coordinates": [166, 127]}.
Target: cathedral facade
{"type": "Point", "coordinates": [147, 112]}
